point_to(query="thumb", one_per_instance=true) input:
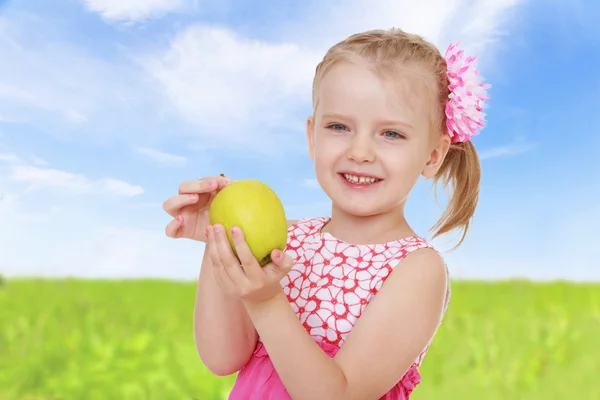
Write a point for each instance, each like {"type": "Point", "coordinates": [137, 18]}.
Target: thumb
{"type": "Point", "coordinates": [282, 262]}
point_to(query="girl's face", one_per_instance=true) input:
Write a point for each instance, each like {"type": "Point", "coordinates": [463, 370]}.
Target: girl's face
{"type": "Point", "coordinates": [370, 138]}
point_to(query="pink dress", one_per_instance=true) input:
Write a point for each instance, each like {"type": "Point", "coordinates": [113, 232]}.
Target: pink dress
{"type": "Point", "coordinates": [328, 288]}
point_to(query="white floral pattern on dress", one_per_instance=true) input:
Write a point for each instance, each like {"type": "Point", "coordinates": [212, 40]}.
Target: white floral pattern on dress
{"type": "Point", "coordinates": [332, 281]}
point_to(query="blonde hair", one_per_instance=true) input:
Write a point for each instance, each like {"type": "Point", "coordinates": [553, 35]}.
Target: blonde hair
{"type": "Point", "coordinates": [460, 169]}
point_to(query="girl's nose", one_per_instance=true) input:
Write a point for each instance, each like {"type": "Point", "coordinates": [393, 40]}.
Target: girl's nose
{"type": "Point", "coordinates": [360, 150]}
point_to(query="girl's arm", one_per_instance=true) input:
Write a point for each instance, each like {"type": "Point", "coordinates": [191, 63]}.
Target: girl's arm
{"type": "Point", "coordinates": [392, 331]}
{"type": "Point", "coordinates": [224, 334]}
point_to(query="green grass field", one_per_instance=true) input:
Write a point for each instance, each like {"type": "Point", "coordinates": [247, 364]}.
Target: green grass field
{"type": "Point", "coordinates": [109, 340]}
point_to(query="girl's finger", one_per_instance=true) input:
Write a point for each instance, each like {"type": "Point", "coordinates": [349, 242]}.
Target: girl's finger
{"type": "Point", "coordinates": [174, 205]}
{"type": "Point", "coordinates": [211, 248]}
{"type": "Point", "coordinates": [172, 228]}
{"type": "Point", "coordinates": [204, 185]}
{"type": "Point", "coordinates": [229, 260]}
{"type": "Point", "coordinates": [222, 269]}
{"type": "Point", "coordinates": [282, 263]}
{"type": "Point", "coordinates": [218, 268]}
{"type": "Point", "coordinates": [249, 263]}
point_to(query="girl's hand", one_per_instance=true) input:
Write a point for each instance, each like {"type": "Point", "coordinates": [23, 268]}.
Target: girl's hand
{"type": "Point", "coordinates": [244, 278]}
{"type": "Point", "coordinates": [190, 207]}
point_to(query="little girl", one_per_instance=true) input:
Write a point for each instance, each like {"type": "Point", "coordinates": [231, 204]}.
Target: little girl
{"type": "Point", "coordinates": [349, 310]}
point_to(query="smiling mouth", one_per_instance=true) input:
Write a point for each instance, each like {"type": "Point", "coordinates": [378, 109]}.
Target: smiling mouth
{"type": "Point", "coordinates": [360, 180]}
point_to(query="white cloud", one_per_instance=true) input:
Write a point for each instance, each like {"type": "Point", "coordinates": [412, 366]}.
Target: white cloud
{"type": "Point", "coordinates": [476, 23]}
{"type": "Point", "coordinates": [51, 96]}
{"type": "Point", "coordinates": [560, 247]}
{"type": "Point", "coordinates": [7, 204]}
{"type": "Point", "coordinates": [161, 157]}
{"type": "Point", "coordinates": [513, 149]}
{"type": "Point", "coordinates": [9, 158]}
{"type": "Point", "coordinates": [87, 247]}
{"type": "Point", "coordinates": [229, 84]}
{"type": "Point", "coordinates": [39, 178]}
{"type": "Point", "coordinates": [65, 89]}
{"type": "Point", "coordinates": [133, 10]}
{"type": "Point", "coordinates": [74, 238]}
{"type": "Point", "coordinates": [576, 241]}
{"type": "Point", "coordinates": [38, 161]}
{"type": "Point", "coordinates": [119, 188]}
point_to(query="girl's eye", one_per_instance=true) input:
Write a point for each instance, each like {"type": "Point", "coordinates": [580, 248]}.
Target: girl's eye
{"type": "Point", "coordinates": [337, 127]}
{"type": "Point", "coordinates": [392, 135]}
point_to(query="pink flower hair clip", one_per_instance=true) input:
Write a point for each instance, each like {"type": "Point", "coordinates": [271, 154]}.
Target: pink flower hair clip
{"type": "Point", "coordinates": [464, 110]}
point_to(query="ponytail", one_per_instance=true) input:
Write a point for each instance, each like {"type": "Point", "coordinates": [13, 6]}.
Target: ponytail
{"type": "Point", "coordinates": [460, 170]}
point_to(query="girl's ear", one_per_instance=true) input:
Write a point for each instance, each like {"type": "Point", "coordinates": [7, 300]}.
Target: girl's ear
{"type": "Point", "coordinates": [436, 157]}
{"type": "Point", "coordinates": [310, 135]}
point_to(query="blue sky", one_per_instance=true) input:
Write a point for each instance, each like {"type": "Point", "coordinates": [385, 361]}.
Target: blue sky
{"type": "Point", "coordinates": [105, 107]}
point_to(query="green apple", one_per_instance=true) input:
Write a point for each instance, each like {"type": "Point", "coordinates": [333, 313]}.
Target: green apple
{"type": "Point", "coordinates": [255, 208]}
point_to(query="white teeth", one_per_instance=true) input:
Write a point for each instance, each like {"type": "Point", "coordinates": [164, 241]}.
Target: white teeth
{"type": "Point", "coordinates": [359, 179]}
